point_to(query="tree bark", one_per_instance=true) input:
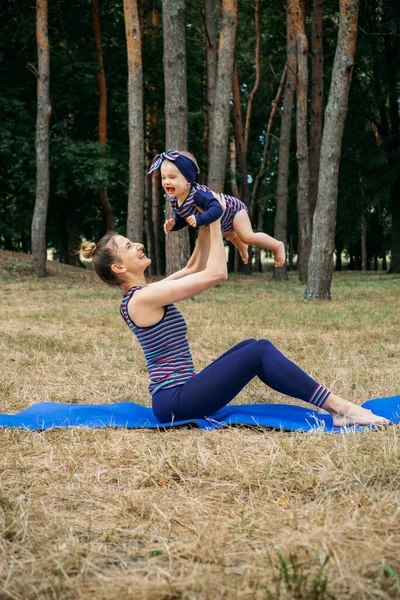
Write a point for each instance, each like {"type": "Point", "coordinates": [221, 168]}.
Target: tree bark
{"type": "Point", "coordinates": [257, 82]}
{"type": "Point", "coordinates": [102, 118]}
{"type": "Point", "coordinates": [156, 211]}
{"type": "Point", "coordinates": [148, 214]}
{"type": "Point", "coordinates": [363, 215]}
{"type": "Point", "coordinates": [317, 98]}
{"type": "Point", "coordinates": [153, 180]}
{"type": "Point", "coordinates": [38, 229]}
{"type": "Point", "coordinates": [297, 11]}
{"type": "Point", "coordinates": [280, 228]}
{"type": "Point", "coordinates": [134, 224]}
{"type": "Point", "coordinates": [363, 236]}
{"type": "Point", "coordinates": [241, 153]}
{"type": "Point", "coordinates": [220, 120]}
{"type": "Point", "coordinates": [232, 167]}
{"type": "Point", "coordinates": [210, 26]}
{"type": "Point", "coordinates": [320, 267]}
{"type": "Point", "coordinates": [243, 133]}
{"type": "Point", "coordinates": [268, 140]}
{"type": "Point", "coordinates": [176, 111]}
{"type": "Point", "coordinates": [391, 55]}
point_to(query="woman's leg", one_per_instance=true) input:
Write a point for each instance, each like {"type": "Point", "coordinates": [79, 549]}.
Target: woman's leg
{"type": "Point", "coordinates": [215, 386]}
{"type": "Point", "coordinates": [242, 227]}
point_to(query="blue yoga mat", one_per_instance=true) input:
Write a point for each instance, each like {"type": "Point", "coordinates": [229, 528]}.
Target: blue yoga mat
{"type": "Point", "coordinates": [48, 415]}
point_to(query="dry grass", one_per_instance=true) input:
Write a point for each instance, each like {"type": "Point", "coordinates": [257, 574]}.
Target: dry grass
{"type": "Point", "coordinates": [186, 514]}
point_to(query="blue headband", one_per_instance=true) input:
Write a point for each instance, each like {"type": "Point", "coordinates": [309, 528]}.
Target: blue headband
{"type": "Point", "coordinates": [186, 165]}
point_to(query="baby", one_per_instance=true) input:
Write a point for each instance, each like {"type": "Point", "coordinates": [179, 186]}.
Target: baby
{"type": "Point", "coordinates": [197, 205]}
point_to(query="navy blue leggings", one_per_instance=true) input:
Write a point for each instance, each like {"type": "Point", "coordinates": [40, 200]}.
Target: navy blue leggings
{"type": "Point", "coordinates": [215, 386]}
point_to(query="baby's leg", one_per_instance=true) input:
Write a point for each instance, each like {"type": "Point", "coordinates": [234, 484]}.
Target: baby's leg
{"type": "Point", "coordinates": [242, 226]}
{"type": "Point", "coordinates": [241, 246]}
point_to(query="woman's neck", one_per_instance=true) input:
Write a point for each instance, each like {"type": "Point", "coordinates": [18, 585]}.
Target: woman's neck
{"type": "Point", "coordinates": [134, 281]}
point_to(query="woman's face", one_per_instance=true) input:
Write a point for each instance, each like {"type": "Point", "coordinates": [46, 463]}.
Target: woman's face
{"type": "Point", "coordinates": [131, 254]}
{"type": "Point", "coordinates": [173, 182]}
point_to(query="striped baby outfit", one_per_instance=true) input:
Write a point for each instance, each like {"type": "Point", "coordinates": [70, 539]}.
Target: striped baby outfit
{"type": "Point", "coordinates": [165, 347]}
{"type": "Point", "coordinates": [201, 195]}
{"type": "Point", "coordinates": [233, 206]}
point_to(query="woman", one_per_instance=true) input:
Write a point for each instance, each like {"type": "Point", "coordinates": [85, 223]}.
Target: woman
{"type": "Point", "coordinates": [148, 309]}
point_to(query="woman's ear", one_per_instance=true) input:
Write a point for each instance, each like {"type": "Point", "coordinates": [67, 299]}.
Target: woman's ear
{"type": "Point", "coordinates": [118, 269]}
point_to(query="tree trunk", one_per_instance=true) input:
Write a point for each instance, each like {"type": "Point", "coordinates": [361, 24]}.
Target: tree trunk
{"type": "Point", "coordinates": [38, 229]}
{"type": "Point", "coordinates": [320, 267]}
{"type": "Point", "coordinates": [339, 250]}
{"type": "Point", "coordinates": [297, 13]}
{"type": "Point", "coordinates": [156, 211]}
{"type": "Point", "coordinates": [154, 182]}
{"type": "Point", "coordinates": [210, 27]}
{"type": "Point", "coordinates": [232, 167]}
{"type": "Point", "coordinates": [268, 141]}
{"type": "Point", "coordinates": [241, 153]}
{"type": "Point", "coordinates": [220, 120]}
{"type": "Point", "coordinates": [363, 216]}
{"type": "Point", "coordinates": [395, 238]}
{"type": "Point", "coordinates": [176, 135]}
{"type": "Point", "coordinates": [280, 228]}
{"type": "Point", "coordinates": [134, 224]}
{"type": "Point", "coordinates": [317, 98]}
{"type": "Point", "coordinates": [243, 134]}
{"type": "Point", "coordinates": [258, 250]}
{"type": "Point", "coordinates": [102, 119]}
{"type": "Point", "coordinates": [257, 82]}
{"type": "Point", "coordinates": [148, 213]}
{"type": "Point", "coordinates": [363, 237]}
{"type": "Point", "coordinates": [391, 54]}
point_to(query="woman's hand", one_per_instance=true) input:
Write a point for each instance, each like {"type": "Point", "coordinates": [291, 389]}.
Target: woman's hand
{"type": "Point", "coordinates": [206, 268]}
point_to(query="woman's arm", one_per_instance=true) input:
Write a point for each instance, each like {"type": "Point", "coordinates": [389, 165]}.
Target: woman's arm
{"type": "Point", "coordinates": [144, 308]}
{"type": "Point", "coordinates": [198, 261]}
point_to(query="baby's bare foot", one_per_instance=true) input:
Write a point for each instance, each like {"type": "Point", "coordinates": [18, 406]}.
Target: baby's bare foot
{"type": "Point", "coordinates": [279, 255]}
{"type": "Point", "coordinates": [244, 254]}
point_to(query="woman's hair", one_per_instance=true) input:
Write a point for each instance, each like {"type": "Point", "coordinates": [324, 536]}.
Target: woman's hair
{"type": "Point", "coordinates": [103, 255]}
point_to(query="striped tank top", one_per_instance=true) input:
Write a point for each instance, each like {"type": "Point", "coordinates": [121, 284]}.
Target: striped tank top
{"type": "Point", "coordinates": [166, 349]}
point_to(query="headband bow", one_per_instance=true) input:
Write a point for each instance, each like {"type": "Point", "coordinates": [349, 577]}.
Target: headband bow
{"type": "Point", "coordinates": [158, 159]}
{"type": "Point", "coordinates": [186, 166]}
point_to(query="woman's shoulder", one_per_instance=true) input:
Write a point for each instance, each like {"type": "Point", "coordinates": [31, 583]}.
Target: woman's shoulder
{"type": "Point", "coordinates": [137, 305]}
{"type": "Point", "coordinates": [129, 293]}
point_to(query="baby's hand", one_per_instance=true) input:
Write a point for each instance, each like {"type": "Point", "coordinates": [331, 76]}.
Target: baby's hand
{"type": "Point", "coordinates": [168, 225]}
{"type": "Point", "coordinates": [192, 221]}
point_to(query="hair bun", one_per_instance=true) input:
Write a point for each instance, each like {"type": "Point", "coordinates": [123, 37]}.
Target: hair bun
{"type": "Point", "coordinates": [87, 250]}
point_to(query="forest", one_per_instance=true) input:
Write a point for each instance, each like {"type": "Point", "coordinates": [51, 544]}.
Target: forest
{"type": "Point", "coordinates": [292, 107]}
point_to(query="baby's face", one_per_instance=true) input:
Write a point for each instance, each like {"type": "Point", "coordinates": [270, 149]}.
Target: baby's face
{"type": "Point", "coordinates": [173, 182]}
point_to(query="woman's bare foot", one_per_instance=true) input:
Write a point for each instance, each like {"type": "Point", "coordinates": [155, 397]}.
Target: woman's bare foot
{"type": "Point", "coordinates": [346, 413]}
{"type": "Point", "coordinates": [279, 255]}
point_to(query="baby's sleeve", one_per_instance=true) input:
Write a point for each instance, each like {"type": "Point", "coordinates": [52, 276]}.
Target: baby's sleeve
{"type": "Point", "coordinates": [211, 206]}
{"type": "Point", "coordinates": [180, 223]}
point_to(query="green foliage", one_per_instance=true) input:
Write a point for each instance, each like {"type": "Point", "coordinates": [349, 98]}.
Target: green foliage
{"type": "Point", "coordinates": [79, 167]}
